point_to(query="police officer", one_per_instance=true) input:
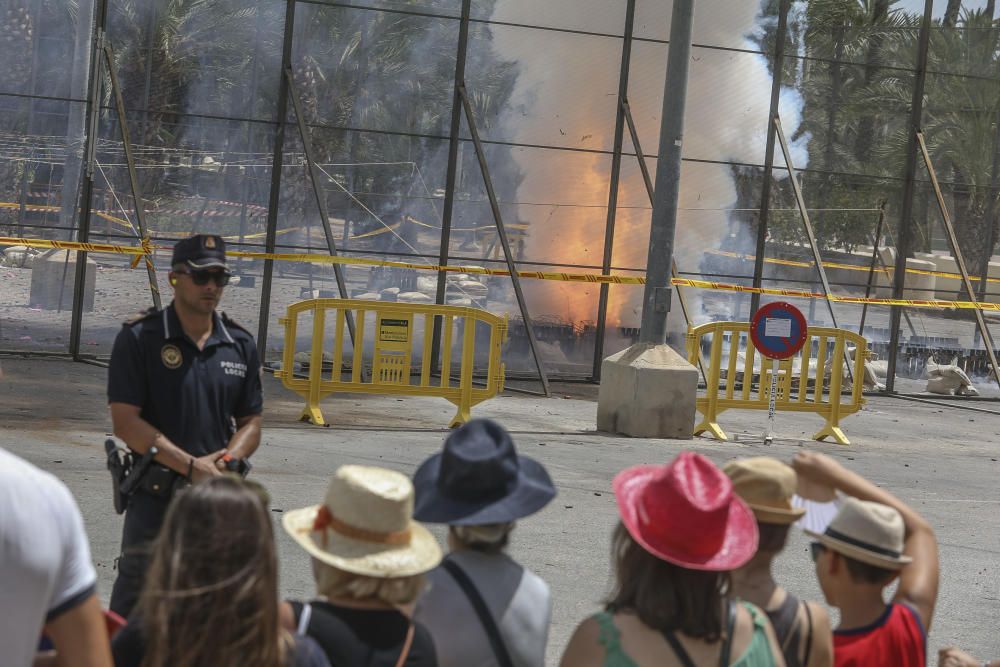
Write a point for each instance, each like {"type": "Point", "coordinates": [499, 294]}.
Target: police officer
{"type": "Point", "coordinates": [185, 380]}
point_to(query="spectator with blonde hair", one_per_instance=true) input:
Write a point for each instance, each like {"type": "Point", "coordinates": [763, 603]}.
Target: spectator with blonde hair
{"type": "Point", "coordinates": [369, 558]}
{"type": "Point", "coordinates": [480, 486]}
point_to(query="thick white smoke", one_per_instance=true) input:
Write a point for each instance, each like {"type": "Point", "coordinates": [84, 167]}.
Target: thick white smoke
{"type": "Point", "coordinates": [566, 95]}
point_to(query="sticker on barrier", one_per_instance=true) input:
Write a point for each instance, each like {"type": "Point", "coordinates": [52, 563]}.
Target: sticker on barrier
{"type": "Point", "coordinates": [393, 330]}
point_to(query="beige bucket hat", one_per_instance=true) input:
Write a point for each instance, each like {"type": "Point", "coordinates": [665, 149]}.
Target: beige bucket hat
{"type": "Point", "coordinates": [870, 532]}
{"type": "Point", "coordinates": [365, 525]}
{"type": "Point", "coordinates": [767, 486]}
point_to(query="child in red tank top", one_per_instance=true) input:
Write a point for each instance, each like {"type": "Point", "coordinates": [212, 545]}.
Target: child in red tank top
{"type": "Point", "coordinates": [896, 639]}
{"type": "Point", "coordinates": [874, 539]}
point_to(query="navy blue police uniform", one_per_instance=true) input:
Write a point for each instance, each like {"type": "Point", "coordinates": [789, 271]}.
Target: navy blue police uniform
{"type": "Point", "coordinates": [191, 396]}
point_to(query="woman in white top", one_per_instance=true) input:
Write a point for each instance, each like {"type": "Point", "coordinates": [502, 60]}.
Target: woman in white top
{"type": "Point", "coordinates": [479, 486]}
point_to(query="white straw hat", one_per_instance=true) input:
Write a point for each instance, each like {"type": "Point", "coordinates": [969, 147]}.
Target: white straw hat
{"type": "Point", "coordinates": [870, 532]}
{"type": "Point", "coordinates": [365, 525]}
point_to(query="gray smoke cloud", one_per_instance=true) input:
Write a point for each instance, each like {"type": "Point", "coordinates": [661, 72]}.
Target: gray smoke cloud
{"type": "Point", "coordinates": [566, 96]}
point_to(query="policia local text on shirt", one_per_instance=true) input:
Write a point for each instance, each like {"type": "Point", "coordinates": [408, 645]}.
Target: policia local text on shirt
{"type": "Point", "coordinates": [185, 380]}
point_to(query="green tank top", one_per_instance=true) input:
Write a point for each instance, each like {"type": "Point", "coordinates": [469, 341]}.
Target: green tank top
{"type": "Point", "coordinates": [757, 654]}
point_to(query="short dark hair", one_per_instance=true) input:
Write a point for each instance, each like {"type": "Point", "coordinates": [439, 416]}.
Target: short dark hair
{"type": "Point", "coordinates": [773, 536]}
{"type": "Point", "coordinates": [666, 597]}
{"type": "Point", "coordinates": [865, 573]}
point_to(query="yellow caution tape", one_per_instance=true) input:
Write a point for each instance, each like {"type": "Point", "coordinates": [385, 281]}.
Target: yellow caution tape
{"type": "Point", "coordinates": [802, 294]}
{"type": "Point", "coordinates": [848, 267]}
{"type": "Point", "coordinates": [146, 250]}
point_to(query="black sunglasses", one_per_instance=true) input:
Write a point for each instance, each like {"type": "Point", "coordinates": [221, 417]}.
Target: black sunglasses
{"type": "Point", "coordinates": [816, 548]}
{"type": "Point", "coordinates": [201, 278]}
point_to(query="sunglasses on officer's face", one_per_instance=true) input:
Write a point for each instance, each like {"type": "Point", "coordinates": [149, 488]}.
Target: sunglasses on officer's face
{"type": "Point", "coordinates": [816, 548]}
{"type": "Point", "coordinates": [201, 277]}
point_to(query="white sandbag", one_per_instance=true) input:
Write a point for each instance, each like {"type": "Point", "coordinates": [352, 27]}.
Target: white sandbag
{"type": "Point", "coordinates": [413, 297]}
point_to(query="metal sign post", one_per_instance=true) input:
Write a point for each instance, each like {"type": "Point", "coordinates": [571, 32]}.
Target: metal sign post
{"type": "Point", "coordinates": [769, 434]}
{"type": "Point", "coordinates": [778, 330]}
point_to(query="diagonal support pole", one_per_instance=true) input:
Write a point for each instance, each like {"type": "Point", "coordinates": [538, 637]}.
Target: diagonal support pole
{"type": "Point", "coordinates": [133, 176]}
{"type": "Point", "coordinates": [889, 271]}
{"type": "Point", "coordinates": [807, 224]}
{"type": "Point", "coordinates": [502, 235]}
{"type": "Point", "coordinates": [959, 259]}
{"type": "Point", "coordinates": [316, 181]}
{"type": "Point", "coordinates": [871, 267]}
{"type": "Point", "coordinates": [648, 180]}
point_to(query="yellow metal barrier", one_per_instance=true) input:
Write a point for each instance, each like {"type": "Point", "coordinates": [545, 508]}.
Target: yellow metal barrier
{"type": "Point", "coordinates": [393, 327]}
{"type": "Point", "coordinates": [803, 385]}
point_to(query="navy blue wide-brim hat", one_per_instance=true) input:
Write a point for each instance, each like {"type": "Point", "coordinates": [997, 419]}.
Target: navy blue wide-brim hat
{"type": "Point", "coordinates": [479, 479]}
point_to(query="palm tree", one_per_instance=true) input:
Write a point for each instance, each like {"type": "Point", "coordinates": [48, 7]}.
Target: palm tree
{"type": "Point", "coordinates": [366, 70]}
{"type": "Point", "coordinates": [962, 123]}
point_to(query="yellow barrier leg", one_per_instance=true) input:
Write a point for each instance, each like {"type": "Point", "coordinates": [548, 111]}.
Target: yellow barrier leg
{"type": "Point", "coordinates": [831, 431]}
{"type": "Point", "coordinates": [311, 413]}
{"type": "Point", "coordinates": [464, 413]}
{"type": "Point", "coordinates": [711, 427]}
{"type": "Point", "coordinates": [832, 428]}
{"type": "Point", "coordinates": [710, 406]}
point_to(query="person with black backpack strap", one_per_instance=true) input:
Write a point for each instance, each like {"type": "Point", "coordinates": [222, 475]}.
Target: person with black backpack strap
{"type": "Point", "coordinates": [369, 558]}
{"type": "Point", "coordinates": [479, 486]}
{"type": "Point", "coordinates": [803, 628]}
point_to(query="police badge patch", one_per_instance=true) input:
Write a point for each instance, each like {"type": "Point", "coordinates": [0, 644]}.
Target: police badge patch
{"type": "Point", "coordinates": [171, 356]}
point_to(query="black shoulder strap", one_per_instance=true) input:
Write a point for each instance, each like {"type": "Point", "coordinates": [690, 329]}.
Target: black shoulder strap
{"type": "Point", "coordinates": [783, 619]}
{"type": "Point", "coordinates": [727, 642]}
{"type": "Point", "coordinates": [809, 633]}
{"type": "Point", "coordinates": [675, 644]}
{"type": "Point", "coordinates": [489, 625]}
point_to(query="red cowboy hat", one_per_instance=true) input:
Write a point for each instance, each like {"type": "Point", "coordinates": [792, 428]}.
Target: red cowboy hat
{"type": "Point", "coordinates": [686, 513]}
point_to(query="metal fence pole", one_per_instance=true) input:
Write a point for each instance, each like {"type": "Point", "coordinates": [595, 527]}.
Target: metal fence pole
{"type": "Point", "coordinates": [90, 159]}
{"type": "Point", "coordinates": [529, 328]}
{"type": "Point", "coordinates": [656, 294]}
{"type": "Point", "coordinates": [451, 177]}
{"type": "Point", "coordinates": [909, 187]}
{"type": "Point", "coordinates": [765, 191]}
{"type": "Point", "coordinates": [616, 168]}
{"type": "Point", "coordinates": [648, 182]}
{"type": "Point", "coordinates": [275, 194]}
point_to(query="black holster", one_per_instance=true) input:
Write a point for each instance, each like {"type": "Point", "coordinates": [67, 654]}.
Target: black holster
{"type": "Point", "coordinates": [127, 472]}
{"type": "Point", "coordinates": [119, 463]}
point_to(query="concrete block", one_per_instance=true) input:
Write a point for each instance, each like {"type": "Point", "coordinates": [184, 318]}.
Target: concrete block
{"type": "Point", "coordinates": [647, 391]}
{"type": "Point", "coordinates": [53, 276]}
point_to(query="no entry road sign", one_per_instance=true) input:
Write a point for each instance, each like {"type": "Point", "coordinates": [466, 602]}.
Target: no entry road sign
{"type": "Point", "coordinates": [778, 330]}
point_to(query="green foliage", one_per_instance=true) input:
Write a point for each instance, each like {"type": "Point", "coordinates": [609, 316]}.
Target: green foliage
{"type": "Point", "coordinates": [856, 81]}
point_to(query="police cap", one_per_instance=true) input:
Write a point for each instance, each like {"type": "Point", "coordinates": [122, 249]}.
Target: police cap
{"type": "Point", "coordinates": [201, 251]}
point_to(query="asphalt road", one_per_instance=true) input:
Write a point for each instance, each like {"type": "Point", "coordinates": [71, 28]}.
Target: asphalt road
{"type": "Point", "coordinates": [941, 459]}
